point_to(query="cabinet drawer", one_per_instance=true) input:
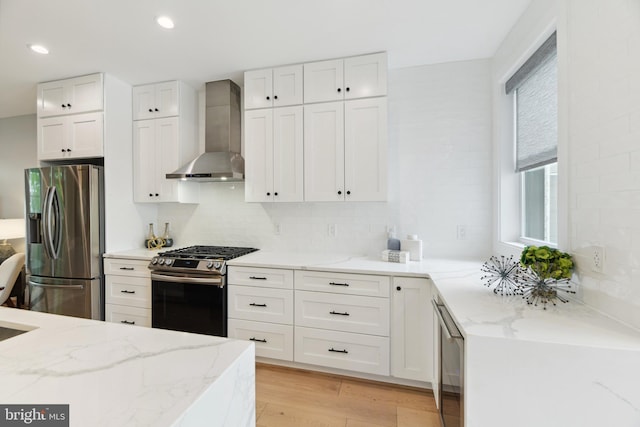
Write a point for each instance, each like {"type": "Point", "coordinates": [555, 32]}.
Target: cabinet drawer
{"type": "Point", "coordinates": [274, 341]}
{"type": "Point", "coordinates": [125, 290]}
{"type": "Point", "coordinates": [263, 277]}
{"type": "Point", "coordinates": [348, 313]}
{"type": "Point", "coordinates": [128, 315]}
{"type": "Point", "coordinates": [262, 304]}
{"type": "Point", "coordinates": [126, 267]}
{"type": "Point", "coordinates": [342, 350]}
{"type": "Point", "coordinates": [344, 283]}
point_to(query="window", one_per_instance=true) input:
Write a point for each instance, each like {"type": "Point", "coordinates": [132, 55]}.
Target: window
{"type": "Point", "coordinates": [535, 93]}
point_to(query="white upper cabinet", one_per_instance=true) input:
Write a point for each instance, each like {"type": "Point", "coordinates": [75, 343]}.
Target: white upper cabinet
{"type": "Point", "coordinates": [274, 155]}
{"type": "Point", "coordinates": [365, 149]}
{"type": "Point", "coordinates": [71, 96]}
{"type": "Point", "coordinates": [163, 144]}
{"type": "Point", "coordinates": [345, 155]}
{"type": "Point", "coordinates": [350, 78]}
{"type": "Point", "coordinates": [324, 152]}
{"type": "Point", "coordinates": [155, 101]}
{"type": "Point", "coordinates": [75, 136]}
{"type": "Point", "coordinates": [273, 87]}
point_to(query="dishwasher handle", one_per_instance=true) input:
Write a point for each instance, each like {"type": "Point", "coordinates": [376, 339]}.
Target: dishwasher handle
{"type": "Point", "coordinates": [446, 321]}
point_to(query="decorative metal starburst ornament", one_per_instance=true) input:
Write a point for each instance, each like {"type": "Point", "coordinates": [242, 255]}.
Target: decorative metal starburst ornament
{"type": "Point", "coordinates": [503, 272]}
{"type": "Point", "coordinates": [543, 291]}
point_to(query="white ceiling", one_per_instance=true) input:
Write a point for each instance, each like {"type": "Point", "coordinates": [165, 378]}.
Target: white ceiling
{"type": "Point", "coordinates": [217, 39]}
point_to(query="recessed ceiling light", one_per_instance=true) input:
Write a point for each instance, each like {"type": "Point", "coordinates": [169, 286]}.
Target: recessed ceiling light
{"type": "Point", "coordinates": [38, 48]}
{"type": "Point", "coordinates": [165, 22]}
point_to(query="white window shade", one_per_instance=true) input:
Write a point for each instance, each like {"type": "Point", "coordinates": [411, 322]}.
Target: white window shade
{"type": "Point", "coordinates": [536, 99]}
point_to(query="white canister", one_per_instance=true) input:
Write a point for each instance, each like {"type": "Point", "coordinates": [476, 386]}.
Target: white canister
{"type": "Point", "coordinates": [413, 246]}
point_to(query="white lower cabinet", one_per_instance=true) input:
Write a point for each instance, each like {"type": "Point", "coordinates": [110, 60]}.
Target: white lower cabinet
{"type": "Point", "coordinates": [128, 315]}
{"type": "Point", "coordinates": [339, 324]}
{"type": "Point", "coordinates": [342, 350]}
{"type": "Point", "coordinates": [348, 313]}
{"type": "Point", "coordinates": [127, 291]}
{"type": "Point", "coordinates": [260, 309]}
{"type": "Point", "coordinates": [412, 329]}
{"type": "Point", "coordinates": [363, 323]}
{"type": "Point", "coordinates": [272, 340]}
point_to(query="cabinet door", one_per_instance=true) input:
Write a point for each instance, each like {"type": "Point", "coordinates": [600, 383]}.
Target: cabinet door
{"type": "Point", "coordinates": [365, 76]}
{"type": "Point", "coordinates": [167, 134]}
{"type": "Point", "coordinates": [144, 162]}
{"type": "Point", "coordinates": [287, 86]}
{"type": "Point", "coordinates": [288, 155]}
{"type": "Point", "coordinates": [51, 99]}
{"type": "Point", "coordinates": [85, 135]}
{"type": "Point", "coordinates": [85, 94]}
{"type": "Point", "coordinates": [167, 99]}
{"type": "Point", "coordinates": [258, 87]}
{"type": "Point", "coordinates": [324, 152]}
{"type": "Point", "coordinates": [365, 157]}
{"type": "Point", "coordinates": [323, 81]}
{"type": "Point", "coordinates": [411, 329]}
{"type": "Point", "coordinates": [258, 140]}
{"type": "Point", "coordinates": [52, 136]}
{"type": "Point", "coordinates": [144, 100]}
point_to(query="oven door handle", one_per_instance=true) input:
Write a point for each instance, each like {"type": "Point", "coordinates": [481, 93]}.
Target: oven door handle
{"type": "Point", "coordinates": [451, 331]}
{"type": "Point", "coordinates": [179, 278]}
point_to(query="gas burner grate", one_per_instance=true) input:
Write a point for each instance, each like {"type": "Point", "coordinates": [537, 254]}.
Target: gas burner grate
{"type": "Point", "coordinates": [209, 252]}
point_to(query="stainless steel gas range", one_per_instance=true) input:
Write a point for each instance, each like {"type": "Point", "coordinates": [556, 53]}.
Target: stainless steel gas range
{"type": "Point", "coordinates": [189, 288]}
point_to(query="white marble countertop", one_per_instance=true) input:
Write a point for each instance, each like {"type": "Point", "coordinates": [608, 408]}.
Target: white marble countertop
{"type": "Point", "coordinates": [474, 306]}
{"type": "Point", "coordinates": [117, 375]}
{"type": "Point", "coordinates": [330, 262]}
{"type": "Point", "coordinates": [142, 254]}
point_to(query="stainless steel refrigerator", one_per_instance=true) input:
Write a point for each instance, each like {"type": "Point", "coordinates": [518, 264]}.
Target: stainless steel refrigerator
{"type": "Point", "coordinates": [65, 239]}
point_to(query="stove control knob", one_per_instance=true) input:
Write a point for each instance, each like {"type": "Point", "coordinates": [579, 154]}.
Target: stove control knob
{"type": "Point", "coordinates": [161, 261]}
{"type": "Point", "coordinates": [154, 261]}
{"type": "Point", "coordinates": [168, 262]}
{"type": "Point", "coordinates": [210, 265]}
{"type": "Point", "coordinates": [217, 265]}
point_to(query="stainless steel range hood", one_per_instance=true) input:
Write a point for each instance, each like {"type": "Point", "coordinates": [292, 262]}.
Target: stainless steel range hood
{"type": "Point", "coordinates": [221, 160]}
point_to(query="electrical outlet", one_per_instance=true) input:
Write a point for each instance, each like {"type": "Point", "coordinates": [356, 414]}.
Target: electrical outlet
{"type": "Point", "coordinates": [461, 232]}
{"type": "Point", "coordinates": [597, 259]}
{"type": "Point", "coordinates": [333, 230]}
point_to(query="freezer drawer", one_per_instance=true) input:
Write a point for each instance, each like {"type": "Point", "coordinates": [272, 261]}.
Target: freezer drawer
{"type": "Point", "coordinates": [69, 297]}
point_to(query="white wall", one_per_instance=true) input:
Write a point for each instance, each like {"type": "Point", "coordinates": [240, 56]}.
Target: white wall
{"type": "Point", "coordinates": [18, 148]}
{"type": "Point", "coordinates": [604, 144]}
{"type": "Point", "coordinates": [599, 141]}
{"type": "Point", "coordinates": [439, 172]}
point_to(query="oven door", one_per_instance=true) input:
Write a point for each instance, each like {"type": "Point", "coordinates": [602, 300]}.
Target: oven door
{"type": "Point", "coordinates": [189, 303]}
{"type": "Point", "coordinates": [451, 385]}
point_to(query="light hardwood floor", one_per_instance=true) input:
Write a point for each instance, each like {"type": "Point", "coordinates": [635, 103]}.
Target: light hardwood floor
{"type": "Point", "coordinates": [288, 397]}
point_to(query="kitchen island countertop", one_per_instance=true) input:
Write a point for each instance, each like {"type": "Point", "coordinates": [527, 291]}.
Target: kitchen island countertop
{"type": "Point", "coordinates": [117, 375]}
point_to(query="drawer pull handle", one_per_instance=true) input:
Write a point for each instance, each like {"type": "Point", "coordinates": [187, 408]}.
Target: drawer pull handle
{"type": "Point", "coordinates": [338, 313]}
{"type": "Point", "coordinates": [253, 304]}
{"type": "Point", "coordinates": [127, 268]}
{"type": "Point", "coordinates": [257, 340]}
{"type": "Point", "coordinates": [257, 278]}
{"type": "Point", "coordinates": [338, 284]}
{"type": "Point", "coordinates": [333, 350]}
{"type": "Point", "coordinates": [125, 291]}
{"type": "Point", "coordinates": [127, 322]}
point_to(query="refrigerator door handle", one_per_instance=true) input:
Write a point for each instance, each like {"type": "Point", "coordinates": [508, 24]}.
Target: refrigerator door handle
{"type": "Point", "coordinates": [46, 224]}
{"type": "Point", "coordinates": [43, 285]}
{"type": "Point", "coordinates": [56, 237]}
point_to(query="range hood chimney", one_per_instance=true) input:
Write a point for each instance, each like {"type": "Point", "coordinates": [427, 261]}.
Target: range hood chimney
{"type": "Point", "coordinates": [221, 160]}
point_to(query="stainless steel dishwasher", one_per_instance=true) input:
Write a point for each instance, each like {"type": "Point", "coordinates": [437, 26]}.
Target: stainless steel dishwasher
{"type": "Point", "coordinates": [451, 368]}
